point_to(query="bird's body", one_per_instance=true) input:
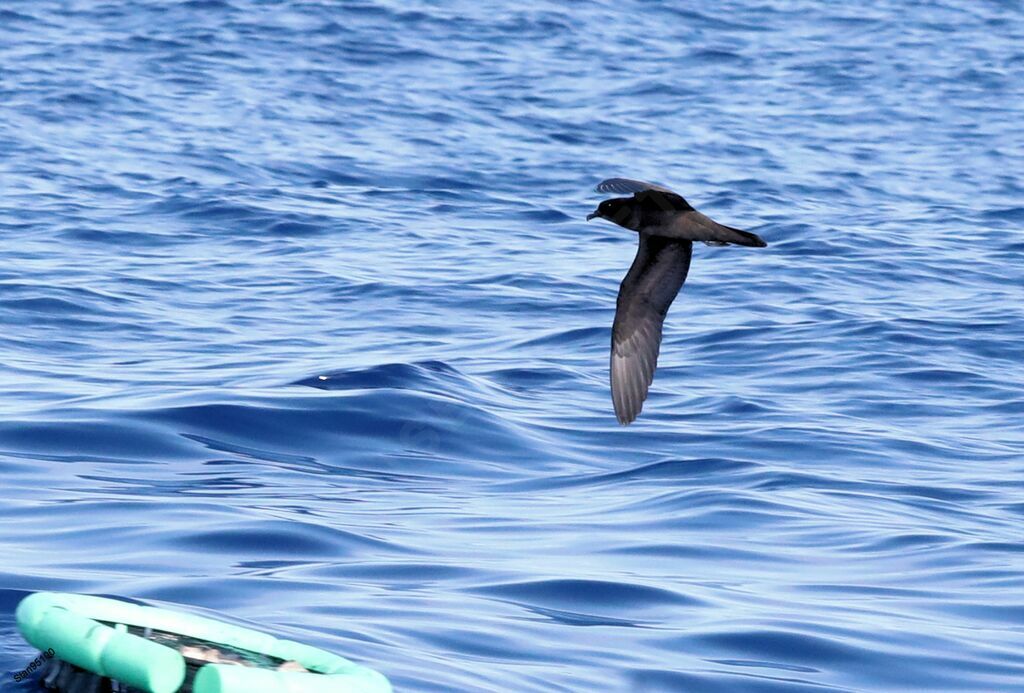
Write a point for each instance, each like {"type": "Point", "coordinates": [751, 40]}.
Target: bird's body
{"type": "Point", "coordinates": [667, 226]}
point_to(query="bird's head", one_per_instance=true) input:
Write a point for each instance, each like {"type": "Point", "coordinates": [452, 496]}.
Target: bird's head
{"type": "Point", "coordinates": [620, 210]}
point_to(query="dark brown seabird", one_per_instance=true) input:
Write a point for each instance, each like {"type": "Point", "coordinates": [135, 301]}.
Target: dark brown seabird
{"type": "Point", "coordinates": [667, 226]}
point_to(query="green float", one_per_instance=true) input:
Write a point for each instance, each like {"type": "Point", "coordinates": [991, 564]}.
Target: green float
{"type": "Point", "coordinates": [153, 650]}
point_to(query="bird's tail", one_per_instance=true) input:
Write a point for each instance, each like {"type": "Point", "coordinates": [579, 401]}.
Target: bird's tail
{"type": "Point", "coordinates": [737, 237]}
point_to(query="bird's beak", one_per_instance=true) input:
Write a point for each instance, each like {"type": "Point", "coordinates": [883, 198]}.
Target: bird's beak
{"type": "Point", "coordinates": [592, 215]}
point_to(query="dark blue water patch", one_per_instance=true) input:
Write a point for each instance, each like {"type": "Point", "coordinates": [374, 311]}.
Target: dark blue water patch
{"type": "Point", "coordinates": [295, 228]}
{"type": "Point", "coordinates": [410, 574]}
{"type": "Point", "coordinates": [698, 469]}
{"type": "Point", "coordinates": [10, 18]}
{"type": "Point", "coordinates": [575, 336]}
{"type": "Point", "coordinates": [717, 682]}
{"type": "Point", "coordinates": [588, 596]}
{"type": "Point", "coordinates": [529, 379]}
{"type": "Point", "coordinates": [1009, 214]}
{"type": "Point", "coordinates": [253, 453]}
{"type": "Point", "coordinates": [395, 375]}
{"type": "Point", "coordinates": [121, 440]}
{"type": "Point", "coordinates": [311, 542]}
{"type": "Point", "coordinates": [544, 215]}
{"type": "Point", "coordinates": [209, 5]}
{"type": "Point", "coordinates": [716, 56]}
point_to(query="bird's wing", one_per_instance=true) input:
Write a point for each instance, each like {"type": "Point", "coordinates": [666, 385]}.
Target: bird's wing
{"type": "Point", "coordinates": [627, 185]}
{"type": "Point", "coordinates": [654, 279]}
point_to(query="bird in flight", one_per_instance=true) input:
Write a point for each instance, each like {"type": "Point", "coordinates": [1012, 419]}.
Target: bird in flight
{"type": "Point", "coordinates": [667, 226]}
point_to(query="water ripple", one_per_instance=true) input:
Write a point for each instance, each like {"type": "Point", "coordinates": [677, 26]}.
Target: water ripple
{"type": "Point", "coordinates": [302, 324]}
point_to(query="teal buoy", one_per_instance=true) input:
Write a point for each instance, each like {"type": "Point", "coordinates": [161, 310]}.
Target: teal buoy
{"type": "Point", "coordinates": [97, 644]}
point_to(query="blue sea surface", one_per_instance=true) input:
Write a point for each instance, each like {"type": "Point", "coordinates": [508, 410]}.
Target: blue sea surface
{"type": "Point", "coordinates": [301, 324]}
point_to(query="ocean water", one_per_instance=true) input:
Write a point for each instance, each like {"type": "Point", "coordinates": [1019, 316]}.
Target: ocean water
{"type": "Point", "coordinates": [301, 324]}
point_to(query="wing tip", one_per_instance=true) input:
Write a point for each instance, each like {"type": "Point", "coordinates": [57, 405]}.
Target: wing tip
{"type": "Point", "coordinates": [629, 389]}
{"type": "Point", "coordinates": [629, 185]}
{"type": "Point", "coordinates": [629, 406]}
{"type": "Point", "coordinates": [620, 185]}
{"type": "Point", "coordinates": [626, 419]}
